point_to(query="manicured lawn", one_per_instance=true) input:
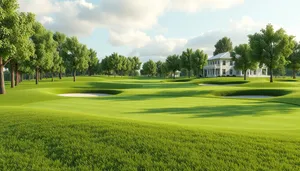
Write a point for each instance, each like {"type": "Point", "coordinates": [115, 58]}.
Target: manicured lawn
{"type": "Point", "coordinates": [151, 124]}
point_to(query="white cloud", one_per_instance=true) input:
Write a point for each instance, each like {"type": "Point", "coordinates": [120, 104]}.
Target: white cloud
{"type": "Point", "coordinates": [80, 17]}
{"type": "Point", "coordinates": [46, 20]}
{"type": "Point", "coordinates": [197, 5]}
{"type": "Point", "coordinates": [132, 38]}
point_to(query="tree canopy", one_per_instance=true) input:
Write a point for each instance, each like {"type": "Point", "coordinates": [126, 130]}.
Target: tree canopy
{"type": "Point", "coordinates": [223, 45]}
{"type": "Point", "coordinates": [242, 56]}
{"type": "Point", "coordinates": [271, 47]}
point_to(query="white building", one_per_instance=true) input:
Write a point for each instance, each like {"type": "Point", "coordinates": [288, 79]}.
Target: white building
{"type": "Point", "coordinates": [222, 65]}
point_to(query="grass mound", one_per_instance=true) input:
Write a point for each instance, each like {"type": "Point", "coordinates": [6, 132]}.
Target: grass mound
{"type": "Point", "coordinates": [80, 90]}
{"type": "Point", "coordinates": [260, 92]}
{"type": "Point", "coordinates": [181, 80]}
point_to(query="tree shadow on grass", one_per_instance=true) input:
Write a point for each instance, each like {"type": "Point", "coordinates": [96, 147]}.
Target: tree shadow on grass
{"type": "Point", "coordinates": [254, 109]}
{"type": "Point", "coordinates": [159, 95]}
{"type": "Point", "coordinates": [116, 85]}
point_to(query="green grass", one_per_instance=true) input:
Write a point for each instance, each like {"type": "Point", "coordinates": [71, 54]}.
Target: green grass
{"type": "Point", "coordinates": [150, 124]}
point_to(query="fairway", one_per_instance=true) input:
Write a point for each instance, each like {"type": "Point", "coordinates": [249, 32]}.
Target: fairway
{"type": "Point", "coordinates": [150, 124]}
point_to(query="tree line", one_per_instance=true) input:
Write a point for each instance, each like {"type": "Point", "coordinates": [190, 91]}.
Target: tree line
{"type": "Point", "coordinates": [190, 61]}
{"type": "Point", "coordinates": [26, 46]}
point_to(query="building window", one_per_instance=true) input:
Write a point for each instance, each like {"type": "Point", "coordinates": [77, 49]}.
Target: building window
{"type": "Point", "coordinates": [224, 71]}
{"type": "Point", "coordinates": [231, 72]}
{"type": "Point", "coordinates": [254, 72]}
{"type": "Point", "coordinates": [264, 72]}
{"type": "Point", "coordinates": [224, 62]}
{"type": "Point", "coordinates": [231, 63]}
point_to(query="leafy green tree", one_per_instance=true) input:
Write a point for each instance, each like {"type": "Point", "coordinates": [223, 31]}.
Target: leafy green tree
{"type": "Point", "coordinates": [56, 67]}
{"type": "Point", "coordinates": [223, 45]}
{"type": "Point", "coordinates": [76, 55]}
{"type": "Point", "coordinates": [8, 22]}
{"type": "Point", "coordinates": [199, 60]}
{"type": "Point", "coordinates": [159, 68]}
{"type": "Point", "coordinates": [136, 64]}
{"type": "Point", "coordinates": [294, 60]}
{"type": "Point", "coordinates": [164, 69]}
{"type": "Point", "coordinates": [173, 64]}
{"type": "Point", "coordinates": [115, 63]}
{"type": "Point", "coordinates": [243, 60]}
{"type": "Point", "coordinates": [149, 68]}
{"type": "Point", "coordinates": [24, 46]}
{"type": "Point", "coordinates": [45, 46]}
{"type": "Point", "coordinates": [60, 38]}
{"type": "Point", "coordinates": [271, 47]}
{"type": "Point", "coordinates": [186, 60]}
{"type": "Point", "coordinates": [129, 66]}
{"type": "Point", "coordinates": [105, 67]}
{"type": "Point", "coordinates": [123, 63]}
{"type": "Point", "coordinates": [93, 62]}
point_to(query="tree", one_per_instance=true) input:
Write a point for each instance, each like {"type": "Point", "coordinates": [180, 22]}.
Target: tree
{"type": "Point", "coordinates": [223, 45]}
{"type": "Point", "coordinates": [45, 47]}
{"type": "Point", "coordinates": [173, 64]}
{"type": "Point", "coordinates": [24, 46]}
{"type": "Point", "coordinates": [105, 66]}
{"type": "Point", "coordinates": [294, 60]}
{"type": "Point", "coordinates": [76, 55]}
{"type": "Point", "coordinates": [114, 63]}
{"type": "Point", "coordinates": [199, 60]}
{"type": "Point", "coordinates": [8, 21]}
{"type": "Point", "coordinates": [164, 69]}
{"type": "Point", "coordinates": [186, 60]}
{"type": "Point", "coordinates": [149, 68]}
{"type": "Point", "coordinates": [93, 62]}
{"type": "Point", "coordinates": [271, 48]}
{"type": "Point", "coordinates": [242, 58]}
{"type": "Point", "coordinates": [136, 64]}
{"type": "Point", "coordinates": [56, 67]}
{"type": "Point", "coordinates": [60, 38]}
{"type": "Point", "coordinates": [159, 68]}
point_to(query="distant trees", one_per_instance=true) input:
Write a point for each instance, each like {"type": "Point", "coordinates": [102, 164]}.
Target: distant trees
{"type": "Point", "coordinates": [149, 68]}
{"type": "Point", "coordinates": [223, 45]}
{"type": "Point", "coordinates": [60, 39]}
{"type": "Point", "coordinates": [199, 60]}
{"type": "Point", "coordinates": [173, 64]}
{"type": "Point", "coordinates": [294, 60]}
{"type": "Point", "coordinates": [186, 60]}
{"type": "Point", "coordinates": [242, 56]}
{"type": "Point", "coordinates": [271, 47]}
{"type": "Point", "coordinates": [92, 62]}
{"type": "Point", "coordinates": [120, 65]}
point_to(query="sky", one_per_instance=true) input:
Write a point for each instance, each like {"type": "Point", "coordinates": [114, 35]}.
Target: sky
{"type": "Point", "coordinates": [154, 29]}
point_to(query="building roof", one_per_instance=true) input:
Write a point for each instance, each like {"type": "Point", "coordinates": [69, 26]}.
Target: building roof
{"type": "Point", "coordinates": [225, 55]}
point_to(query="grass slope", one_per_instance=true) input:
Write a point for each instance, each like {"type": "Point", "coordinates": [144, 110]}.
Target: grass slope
{"type": "Point", "coordinates": [150, 124]}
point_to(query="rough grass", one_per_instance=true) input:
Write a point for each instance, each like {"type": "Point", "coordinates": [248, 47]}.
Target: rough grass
{"type": "Point", "coordinates": [149, 125]}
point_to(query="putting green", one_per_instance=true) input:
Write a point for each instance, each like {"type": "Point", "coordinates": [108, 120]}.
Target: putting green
{"type": "Point", "coordinates": [151, 104]}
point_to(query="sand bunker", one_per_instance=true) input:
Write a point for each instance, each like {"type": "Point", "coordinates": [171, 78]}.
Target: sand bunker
{"type": "Point", "coordinates": [84, 95]}
{"type": "Point", "coordinates": [249, 97]}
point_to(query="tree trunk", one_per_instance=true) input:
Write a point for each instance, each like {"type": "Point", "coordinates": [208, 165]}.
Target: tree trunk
{"type": "Point", "coordinates": [174, 74]}
{"type": "Point", "coordinates": [2, 83]}
{"type": "Point", "coordinates": [245, 75]}
{"type": "Point", "coordinates": [52, 76]}
{"type": "Point", "coordinates": [60, 73]}
{"type": "Point", "coordinates": [294, 74]}
{"type": "Point", "coordinates": [36, 76]}
{"type": "Point", "coordinates": [74, 75]}
{"type": "Point", "coordinates": [271, 75]}
{"type": "Point", "coordinates": [189, 73]}
{"type": "Point", "coordinates": [40, 74]}
{"type": "Point", "coordinates": [12, 75]}
{"type": "Point", "coordinates": [17, 75]}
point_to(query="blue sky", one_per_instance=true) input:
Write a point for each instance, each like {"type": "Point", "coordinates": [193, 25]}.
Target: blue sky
{"type": "Point", "coordinates": [157, 28]}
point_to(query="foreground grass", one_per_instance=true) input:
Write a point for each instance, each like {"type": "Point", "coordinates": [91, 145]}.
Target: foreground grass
{"type": "Point", "coordinates": [39, 140]}
{"type": "Point", "coordinates": [150, 124]}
